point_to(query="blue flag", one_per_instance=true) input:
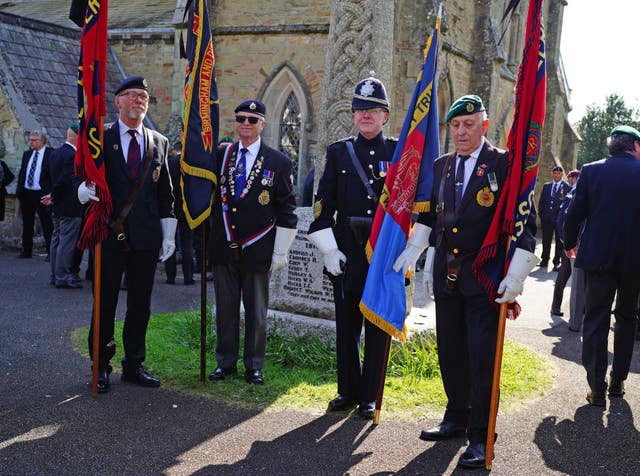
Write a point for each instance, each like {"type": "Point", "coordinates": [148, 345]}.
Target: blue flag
{"type": "Point", "coordinates": [200, 118]}
{"type": "Point", "coordinates": [407, 189]}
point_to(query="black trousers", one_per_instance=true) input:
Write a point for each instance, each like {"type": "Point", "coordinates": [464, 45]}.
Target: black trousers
{"type": "Point", "coordinates": [466, 328]}
{"type": "Point", "coordinates": [601, 288]}
{"type": "Point", "coordinates": [140, 268]}
{"type": "Point", "coordinates": [549, 230]}
{"type": "Point", "coordinates": [357, 379]}
{"type": "Point", "coordinates": [561, 281]}
{"type": "Point", "coordinates": [186, 240]}
{"type": "Point", "coordinates": [30, 205]}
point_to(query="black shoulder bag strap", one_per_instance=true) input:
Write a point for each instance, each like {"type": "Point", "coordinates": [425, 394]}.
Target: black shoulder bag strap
{"type": "Point", "coordinates": [360, 170]}
{"type": "Point", "coordinates": [118, 225]}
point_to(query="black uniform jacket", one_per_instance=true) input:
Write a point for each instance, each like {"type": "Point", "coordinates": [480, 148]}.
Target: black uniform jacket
{"type": "Point", "coordinates": [342, 190]}
{"type": "Point", "coordinates": [460, 233]}
{"type": "Point", "coordinates": [63, 193]}
{"type": "Point", "coordinates": [269, 202]}
{"type": "Point", "coordinates": [155, 199]}
{"type": "Point", "coordinates": [549, 205]}
{"type": "Point", "coordinates": [45, 176]}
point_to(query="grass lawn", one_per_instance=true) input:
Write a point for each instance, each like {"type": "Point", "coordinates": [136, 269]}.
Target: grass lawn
{"type": "Point", "coordinates": [300, 370]}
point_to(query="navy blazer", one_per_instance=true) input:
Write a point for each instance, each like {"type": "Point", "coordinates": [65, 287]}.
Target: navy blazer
{"type": "Point", "coordinates": [63, 193]}
{"type": "Point", "coordinates": [45, 176]}
{"type": "Point", "coordinates": [608, 197]}
{"type": "Point", "coordinates": [270, 201]}
{"type": "Point", "coordinates": [155, 199]}
{"type": "Point", "coordinates": [548, 206]}
{"type": "Point", "coordinates": [461, 232]}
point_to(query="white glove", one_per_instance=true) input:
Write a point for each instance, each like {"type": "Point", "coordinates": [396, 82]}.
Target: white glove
{"type": "Point", "coordinates": [326, 243]}
{"type": "Point", "coordinates": [284, 238]}
{"type": "Point", "coordinates": [428, 272]}
{"type": "Point", "coordinates": [87, 192]}
{"type": "Point", "coordinates": [521, 265]}
{"type": "Point", "coordinates": [169, 226]}
{"type": "Point", "coordinates": [416, 244]}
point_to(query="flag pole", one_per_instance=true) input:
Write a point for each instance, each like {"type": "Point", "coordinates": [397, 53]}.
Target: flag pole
{"type": "Point", "coordinates": [203, 303]}
{"type": "Point", "coordinates": [383, 376]}
{"type": "Point", "coordinates": [495, 387]}
{"type": "Point", "coordinates": [97, 267]}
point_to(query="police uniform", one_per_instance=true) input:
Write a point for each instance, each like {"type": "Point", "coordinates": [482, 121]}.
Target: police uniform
{"type": "Point", "coordinates": [244, 233]}
{"type": "Point", "coordinates": [466, 319]}
{"type": "Point", "coordinates": [342, 189]}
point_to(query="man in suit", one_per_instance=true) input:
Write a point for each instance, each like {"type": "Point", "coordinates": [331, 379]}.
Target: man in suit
{"type": "Point", "coordinates": [466, 189]}
{"type": "Point", "coordinates": [254, 224]}
{"type": "Point", "coordinates": [350, 185]}
{"type": "Point", "coordinates": [608, 197]}
{"type": "Point", "coordinates": [66, 213]}
{"type": "Point", "coordinates": [184, 230]}
{"type": "Point", "coordinates": [550, 199]}
{"type": "Point", "coordinates": [133, 156]}
{"type": "Point", "coordinates": [33, 183]}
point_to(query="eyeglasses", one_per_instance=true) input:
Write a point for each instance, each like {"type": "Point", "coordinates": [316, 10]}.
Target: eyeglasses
{"type": "Point", "coordinates": [134, 95]}
{"type": "Point", "coordinates": [251, 119]}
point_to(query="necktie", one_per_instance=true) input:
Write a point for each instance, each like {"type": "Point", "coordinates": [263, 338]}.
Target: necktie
{"type": "Point", "coordinates": [460, 179]}
{"type": "Point", "coordinates": [241, 172]}
{"type": "Point", "coordinates": [133, 155]}
{"type": "Point", "coordinates": [32, 170]}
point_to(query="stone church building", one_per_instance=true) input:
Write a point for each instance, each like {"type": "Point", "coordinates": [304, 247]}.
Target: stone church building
{"type": "Point", "coordinates": [302, 58]}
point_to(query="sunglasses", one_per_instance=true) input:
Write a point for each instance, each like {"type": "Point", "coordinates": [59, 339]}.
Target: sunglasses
{"type": "Point", "coordinates": [251, 119]}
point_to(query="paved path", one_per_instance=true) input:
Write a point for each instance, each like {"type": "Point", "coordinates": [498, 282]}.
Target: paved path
{"type": "Point", "coordinates": [49, 424]}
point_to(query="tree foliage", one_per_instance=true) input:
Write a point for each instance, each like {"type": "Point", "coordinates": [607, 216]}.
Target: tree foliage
{"type": "Point", "coordinates": [595, 126]}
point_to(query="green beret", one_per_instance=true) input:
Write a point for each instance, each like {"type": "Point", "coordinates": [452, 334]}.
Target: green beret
{"type": "Point", "coordinates": [468, 104]}
{"type": "Point", "coordinates": [74, 127]}
{"type": "Point", "coordinates": [626, 130]}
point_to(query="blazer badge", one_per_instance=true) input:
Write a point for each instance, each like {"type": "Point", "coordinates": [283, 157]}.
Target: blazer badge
{"type": "Point", "coordinates": [485, 197]}
{"type": "Point", "coordinates": [156, 174]}
{"type": "Point", "coordinates": [264, 198]}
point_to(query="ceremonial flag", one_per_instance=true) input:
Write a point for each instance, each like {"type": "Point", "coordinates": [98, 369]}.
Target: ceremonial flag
{"type": "Point", "coordinates": [92, 107]}
{"type": "Point", "coordinates": [200, 118]}
{"type": "Point", "coordinates": [407, 189]}
{"type": "Point", "coordinates": [515, 203]}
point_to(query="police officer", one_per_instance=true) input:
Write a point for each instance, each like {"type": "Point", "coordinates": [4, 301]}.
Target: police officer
{"type": "Point", "coordinates": [351, 184]}
{"type": "Point", "coordinates": [466, 188]}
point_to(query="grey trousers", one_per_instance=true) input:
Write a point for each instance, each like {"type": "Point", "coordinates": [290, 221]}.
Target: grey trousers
{"type": "Point", "coordinates": [230, 285]}
{"type": "Point", "coordinates": [66, 231]}
{"type": "Point", "coordinates": [576, 302]}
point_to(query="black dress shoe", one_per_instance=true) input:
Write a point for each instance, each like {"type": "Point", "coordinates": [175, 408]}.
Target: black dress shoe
{"type": "Point", "coordinates": [556, 268]}
{"type": "Point", "coordinates": [254, 377]}
{"type": "Point", "coordinates": [366, 409]}
{"type": "Point", "coordinates": [616, 388]}
{"type": "Point", "coordinates": [474, 456]}
{"type": "Point", "coordinates": [103, 379]}
{"type": "Point", "coordinates": [341, 403]}
{"type": "Point", "coordinates": [596, 399]}
{"type": "Point", "coordinates": [170, 281]}
{"type": "Point", "coordinates": [220, 373]}
{"type": "Point", "coordinates": [557, 312]}
{"type": "Point", "coordinates": [141, 377]}
{"type": "Point", "coordinates": [25, 254]}
{"type": "Point", "coordinates": [446, 429]}
{"type": "Point", "coordinates": [189, 282]}
{"type": "Point", "coordinates": [543, 264]}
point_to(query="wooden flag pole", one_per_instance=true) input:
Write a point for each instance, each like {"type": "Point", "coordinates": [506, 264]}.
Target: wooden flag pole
{"type": "Point", "coordinates": [495, 387]}
{"type": "Point", "coordinates": [203, 303]}
{"type": "Point", "coordinates": [97, 268]}
{"type": "Point", "coordinates": [383, 375]}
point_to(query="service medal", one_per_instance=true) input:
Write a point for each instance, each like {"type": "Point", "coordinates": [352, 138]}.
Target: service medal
{"type": "Point", "coordinates": [156, 174]}
{"type": "Point", "coordinates": [264, 198]}
{"type": "Point", "coordinates": [493, 181]}
{"type": "Point", "coordinates": [264, 182]}
{"type": "Point", "coordinates": [317, 208]}
{"type": "Point", "coordinates": [485, 197]}
{"type": "Point", "coordinates": [383, 167]}
{"type": "Point", "coordinates": [267, 177]}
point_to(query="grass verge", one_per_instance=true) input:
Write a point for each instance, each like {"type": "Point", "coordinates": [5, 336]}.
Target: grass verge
{"type": "Point", "coordinates": [300, 370]}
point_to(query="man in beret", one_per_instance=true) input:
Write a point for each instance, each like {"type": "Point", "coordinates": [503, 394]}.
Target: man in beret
{"type": "Point", "coordinates": [66, 213]}
{"type": "Point", "coordinates": [551, 197]}
{"type": "Point", "coordinates": [254, 224]}
{"type": "Point", "coordinates": [350, 185]}
{"type": "Point", "coordinates": [466, 188]}
{"type": "Point", "coordinates": [607, 196]}
{"type": "Point", "coordinates": [142, 228]}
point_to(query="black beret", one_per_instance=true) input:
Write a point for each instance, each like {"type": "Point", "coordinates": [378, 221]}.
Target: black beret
{"type": "Point", "coordinates": [252, 106]}
{"type": "Point", "coordinates": [370, 93]}
{"type": "Point", "coordinates": [134, 82]}
{"type": "Point", "coordinates": [557, 168]}
{"type": "Point", "coordinates": [465, 105]}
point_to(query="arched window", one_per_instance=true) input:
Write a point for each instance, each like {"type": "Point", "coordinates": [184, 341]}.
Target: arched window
{"type": "Point", "coordinates": [290, 134]}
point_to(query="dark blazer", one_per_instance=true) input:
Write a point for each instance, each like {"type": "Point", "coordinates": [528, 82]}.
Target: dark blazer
{"type": "Point", "coordinates": [63, 193]}
{"type": "Point", "coordinates": [608, 197]}
{"type": "Point", "coordinates": [549, 205]}
{"type": "Point", "coordinates": [155, 199]}
{"type": "Point", "coordinates": [7, 178]}
{"type": "Point", "coordinates": [461, 232]}
{"type": "Point", "coordinates": [341, 190]}
{"type": "Point", "coordinates": [45, 176]}
{"type": "Point", "coordinates": [270, 200]}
